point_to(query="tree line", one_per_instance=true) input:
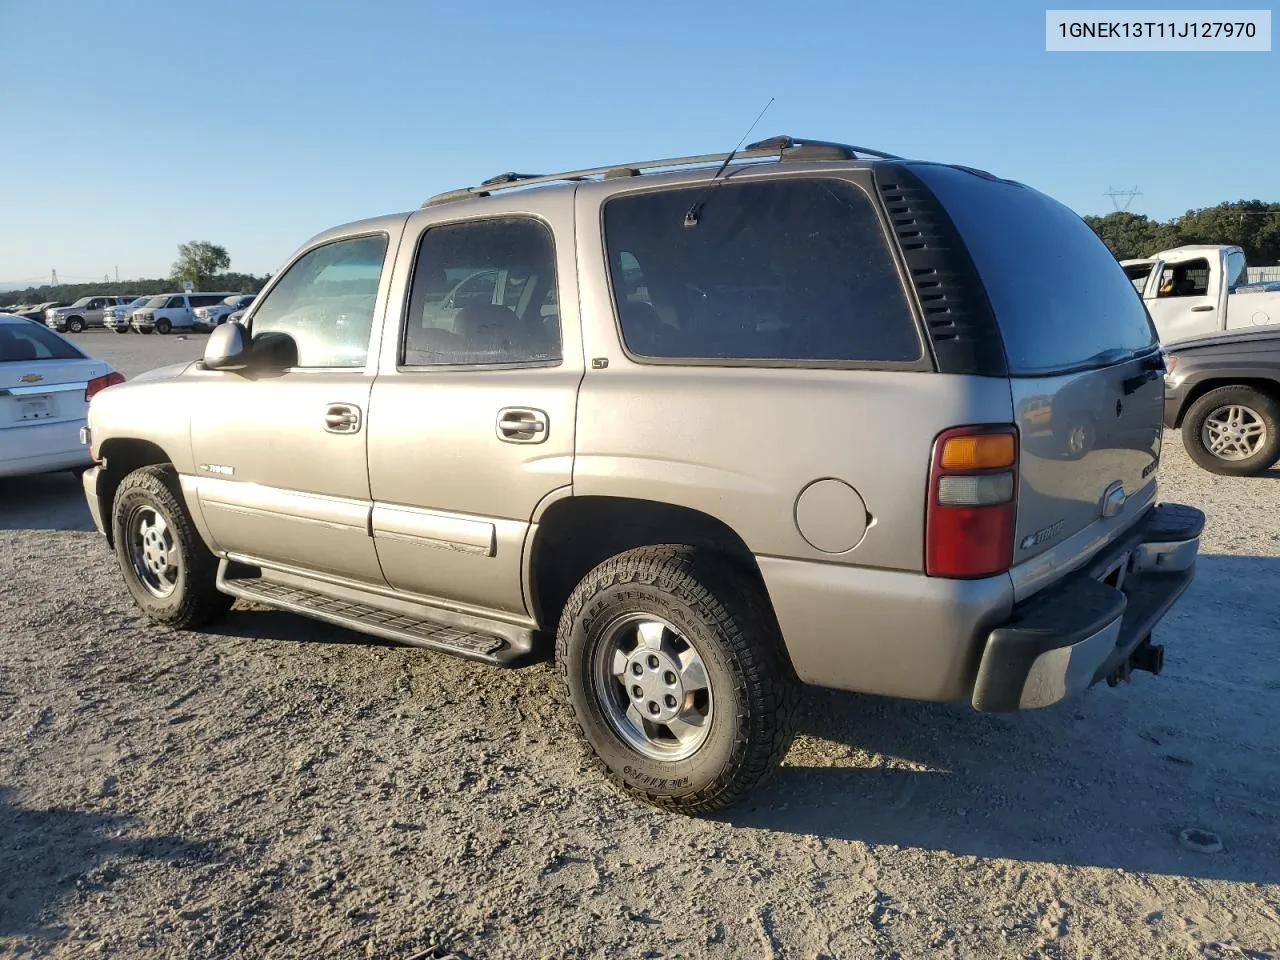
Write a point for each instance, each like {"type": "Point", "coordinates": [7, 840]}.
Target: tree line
{"type": "Point", "coordinates": [70, 292]}
{"type": "Point", "coordinates": [1249, 224]}
{"type": "Point", "coordinates": [204, 264]}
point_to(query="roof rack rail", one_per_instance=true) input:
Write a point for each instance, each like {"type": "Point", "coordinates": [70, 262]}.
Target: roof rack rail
{"type": "Point", "coordinates": [778, 148]}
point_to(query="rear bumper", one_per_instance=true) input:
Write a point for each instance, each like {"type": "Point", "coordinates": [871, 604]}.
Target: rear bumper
{"type": "Point", "coordinates": [1088, 625]}
{"type": "Point", "coordinates": [901, 634]}
{"type": "Point", "coordinates": [45, 447]}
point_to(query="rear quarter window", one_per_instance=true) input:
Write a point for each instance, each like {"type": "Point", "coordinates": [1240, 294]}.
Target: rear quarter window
{"type": "Point", "coordinates": [792, 270]}
{"type": "Point", "coordinates": [1060, 298]}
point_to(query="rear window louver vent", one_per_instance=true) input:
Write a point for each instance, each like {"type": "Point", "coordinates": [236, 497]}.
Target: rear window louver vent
{"type": "Point", "coordinates": [953, 302]}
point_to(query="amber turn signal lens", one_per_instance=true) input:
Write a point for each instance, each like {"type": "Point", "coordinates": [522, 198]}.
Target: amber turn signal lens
{"type": "Point", "coordinates": [979, 452]}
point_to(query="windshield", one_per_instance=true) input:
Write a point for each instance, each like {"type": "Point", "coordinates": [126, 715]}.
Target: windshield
{"type": "Point", "coordinates": [159, 301]}
{"type": "Point", "coordinates": [141, 301]}
{"type": "Point", "coordinates": [1061, 299]}
{"type": "Point", "coordinates": [82, 302]}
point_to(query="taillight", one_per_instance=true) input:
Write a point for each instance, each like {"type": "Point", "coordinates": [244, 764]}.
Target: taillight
{"type": "Point", "coordinates": [973, 502]}
{"type": "Point", "coordinates": [98, 384]}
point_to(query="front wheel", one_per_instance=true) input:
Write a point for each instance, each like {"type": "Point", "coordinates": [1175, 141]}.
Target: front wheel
{"type": "Point", "coordinates": [1233, 431]}
{"type": "Point", "coordinates": [675, 670]}
{"type": "Point", "coordinates": [75, 325]}
{"type": "Point", "coordinates": [166, 565]}
{"type": "Point", "coordinates": [163, 326]}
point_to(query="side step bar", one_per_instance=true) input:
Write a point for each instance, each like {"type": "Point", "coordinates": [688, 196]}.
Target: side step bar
{"type": "Point", "coordinates": [489, 641]}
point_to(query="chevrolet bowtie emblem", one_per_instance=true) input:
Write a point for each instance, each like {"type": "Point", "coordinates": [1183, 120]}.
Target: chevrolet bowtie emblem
{"type": "Point", "coordinates": [32, 378]}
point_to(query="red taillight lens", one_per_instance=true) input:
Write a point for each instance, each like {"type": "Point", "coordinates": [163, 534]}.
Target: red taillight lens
{"type": "Point", "coordinates": [98, 384]}
{"type": "Point", "coordinates": [973, 490]}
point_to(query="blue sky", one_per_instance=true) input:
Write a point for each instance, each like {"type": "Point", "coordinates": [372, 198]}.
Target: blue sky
{"type": "Point", "coordinates": [133, 125]}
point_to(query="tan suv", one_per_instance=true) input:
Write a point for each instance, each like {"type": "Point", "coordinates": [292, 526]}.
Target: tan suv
{"type": "Point", "coordinates": [720, 425]}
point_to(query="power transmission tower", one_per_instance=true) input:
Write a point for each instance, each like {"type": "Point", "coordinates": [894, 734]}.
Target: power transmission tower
{"type": "Point", "coordinates": [54, 281]}
{"type": "Point", "coordinates": [117, 274]}
{"type": "Point", "coordinates": [1118, 195]}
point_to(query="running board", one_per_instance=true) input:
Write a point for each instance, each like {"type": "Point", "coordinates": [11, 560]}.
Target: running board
{"type": "Point", "coordinates": [474, 638]}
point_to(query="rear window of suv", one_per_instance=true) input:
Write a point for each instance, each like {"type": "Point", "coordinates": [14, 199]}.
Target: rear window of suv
{"type": "Point", "coordinates": [794, 270]}
{"type": "Point", "coordinates": [1061, 300]}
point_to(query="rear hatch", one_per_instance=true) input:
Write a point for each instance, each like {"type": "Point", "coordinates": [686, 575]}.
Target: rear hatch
{"type": "Point", "coordinates": [42, 380]}
{"type": "Point", "coordinates": [1084, 367]}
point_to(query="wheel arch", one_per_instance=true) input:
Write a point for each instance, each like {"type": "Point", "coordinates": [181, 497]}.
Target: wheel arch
{"type": "Point", "coordinates": [575, 534]}
{"type": "Point", "coordinates": [120, 456]}
{"type": "Point", "coordinates": [1260, 383]}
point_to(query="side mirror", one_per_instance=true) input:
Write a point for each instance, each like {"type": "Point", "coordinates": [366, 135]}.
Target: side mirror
{"type": "Point", "coordinates": [227, 348]}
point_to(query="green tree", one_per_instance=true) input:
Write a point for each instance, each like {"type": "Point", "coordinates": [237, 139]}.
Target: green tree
{"type": "Point", "coordinates": [1132, 235]}
{"type": "Point", "coordinates": [198, 261]}
{"type": "Point", "coordinates": [1250, 224]}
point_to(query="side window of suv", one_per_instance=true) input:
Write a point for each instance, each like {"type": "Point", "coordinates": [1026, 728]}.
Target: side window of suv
{"type": "Point", "coordinates": [484, 292]}
{"type": "Point", "coordinates": [324, 302]}
{"type": "Point", "coordinates": [176, 303]}
{"type": "Point", "coordinates": [793, 270]}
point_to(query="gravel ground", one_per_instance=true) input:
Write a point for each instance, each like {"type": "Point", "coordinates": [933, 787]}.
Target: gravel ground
{"type": "Point", "coordinates": [276, 787]}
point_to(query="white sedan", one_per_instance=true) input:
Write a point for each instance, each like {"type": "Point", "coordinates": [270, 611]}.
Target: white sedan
{"type": "Point", "coordinates": [45, 387]}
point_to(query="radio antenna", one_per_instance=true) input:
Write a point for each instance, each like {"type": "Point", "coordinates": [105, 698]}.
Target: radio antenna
{"type": "Point", "coordinates": [695, 212]}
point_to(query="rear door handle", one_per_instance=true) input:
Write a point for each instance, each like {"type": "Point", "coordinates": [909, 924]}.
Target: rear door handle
{"type": "Point", "coordinates": [522, 425]}
{"type": "Point", "coordinates": [342, 418]}
{"type": "Point", "coordinates": [1201, 309]}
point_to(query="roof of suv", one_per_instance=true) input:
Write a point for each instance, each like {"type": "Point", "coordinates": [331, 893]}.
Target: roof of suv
{"type": "Point", "coordinates": [778, 149]}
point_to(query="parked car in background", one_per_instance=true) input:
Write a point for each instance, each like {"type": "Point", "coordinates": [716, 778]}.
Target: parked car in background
{"type": "Point", "coordinates": [172, 311]}
{"type": "Point", "coordinates": [1223, 390]}
{"type": "Point", "coordinates": [1199, 289]}
{"type": "Point", "coordinates": [84, 313]}
{"type": "Point", "coordinates": [117, 318]}
{"type": "Point", "coordinates": [46, 383]}
{"type": "Point", "coordinates": [37, 311]}
{"type": "Point", "coordinates": [703, 493]}
{"type": "Point", "coordinates": [209, 317]}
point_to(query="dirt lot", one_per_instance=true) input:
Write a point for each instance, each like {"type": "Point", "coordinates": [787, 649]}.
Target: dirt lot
{"type": "Point", "coordinates": [276, 787]}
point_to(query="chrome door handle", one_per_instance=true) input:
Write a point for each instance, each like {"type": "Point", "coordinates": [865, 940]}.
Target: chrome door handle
{"type": "Point", "coordinates": [522, 425]}
{"type": "Point", "coordinates": [1201, 309]}
{"type": "Point", "coordinates": [342, 418]}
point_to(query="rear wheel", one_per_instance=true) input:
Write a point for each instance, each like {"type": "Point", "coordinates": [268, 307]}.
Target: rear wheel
{"type": "Point", "coordinates": [75, 325]}
{"type": "Point", "coordinates": [166, 565]}
{"type": "Point", "coordinates": [163, 326]}
{"type": "Point", "coordinates": [675, 670]}
{"type": "Point", "coordinates": [1233, 431]}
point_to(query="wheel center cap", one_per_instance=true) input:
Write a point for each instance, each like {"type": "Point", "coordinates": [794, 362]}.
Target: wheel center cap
{"type": "Point", "coordinates": [654, 685]}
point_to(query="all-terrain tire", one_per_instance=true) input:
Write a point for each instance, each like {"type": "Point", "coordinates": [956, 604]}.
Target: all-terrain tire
{"type": "Point", "coordinates": [725, 615]}
{"type": "Point", "coordinates": [191, 599]}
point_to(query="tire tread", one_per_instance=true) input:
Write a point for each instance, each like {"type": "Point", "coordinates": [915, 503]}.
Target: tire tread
{"type": "Point", "coordinates": [201, 602]}
{"type": "Point", "coordinates": [739, 610]}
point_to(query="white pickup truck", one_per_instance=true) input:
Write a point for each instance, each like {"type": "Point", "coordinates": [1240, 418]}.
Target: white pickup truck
{"type": "Point", "coordinates": [1201, 288]}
